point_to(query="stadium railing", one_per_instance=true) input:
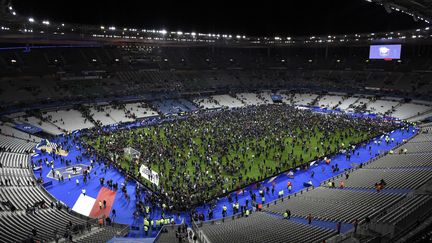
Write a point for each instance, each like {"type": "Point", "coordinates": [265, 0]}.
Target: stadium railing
{"type": "Point", "coordinates": [200, 234]}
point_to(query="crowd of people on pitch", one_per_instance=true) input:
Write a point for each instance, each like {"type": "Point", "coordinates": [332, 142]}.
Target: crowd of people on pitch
{"type": "Point", "coordinates": [210, 154]}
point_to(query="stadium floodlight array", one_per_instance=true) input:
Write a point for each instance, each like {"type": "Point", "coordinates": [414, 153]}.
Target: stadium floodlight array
{"type": "Point", "coordinates": [21, 25]}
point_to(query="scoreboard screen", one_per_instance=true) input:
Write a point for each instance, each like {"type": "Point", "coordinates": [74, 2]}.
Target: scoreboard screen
{"type": "Point", "coordinates": [386, 52]}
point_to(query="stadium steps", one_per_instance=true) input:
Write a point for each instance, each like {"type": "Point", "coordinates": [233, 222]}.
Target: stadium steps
{"type": "Point", "coordinates": [94, 230]}
{"type": "Point", "coordinates": [316, 100]}
{"type": "Point", "coordinates": [418, 115]}
{"type": "Point", "coordinates": [352, 105]}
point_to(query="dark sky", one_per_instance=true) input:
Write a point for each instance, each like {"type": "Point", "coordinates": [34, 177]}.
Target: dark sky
{"type": "Point", "coordinates": [265, 17]}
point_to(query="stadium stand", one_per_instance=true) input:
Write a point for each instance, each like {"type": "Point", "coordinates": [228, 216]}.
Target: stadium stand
{"type": "Point", "coordinates": [265, 96]}
{"type": "Point", "coordinates": [262, 227]}
{"type": "Point", "coordinates": [250, 99]}
{"type": "Point", "coordinates": [304, 99]}
{"type": "Point", "coordinates": [408, 110]}
{"type": "Point", "coordinates": [335, 204]}
{"type": "Point", "coordinates": [381, 107]}
{"type": "Point", "coordinates": [46, 126]}
{"type": "Point", "coordinates": [409, 160]}
{"type": "Point", "coordinates": [84, 79]}
{"type": "Point", "coordinates": [207, 103]}
{"type": "Point", "coordinates": [101, 115]}
{"type": "Point", "coordinates": [411, 178]}
{"type": "Point", "coordinates": [7, 130]}
{"type": "Point", "coordinates": [360, 104]}
{"type": "Point", "coordinates": [346, 103]}
{"type": "Point", "coordinates": [174, 106]}
{"type": "Point", "coordinates": [357, 200]}
{"type": "Point", "coordinates": [169, 233]}
{"type": "Point", "coordinates": [404, 214]}
{"type": "Point", "coordinates": [28, 213]}
{"type": "Point", "coordinates": [15, 144]}
{"type": "Point", "coordinates": [423, 137]}
{"type": "Point", "coordinates": [68, 120]}
{"type": "Point", "coordinates": [139, 110]}
{"type": "Point", "coordinates": [14, 160]}
{"type": "Point", "coordinates": [118, 114]}
{"type": "Point", "coordinates": [227, 101]}
{"type": "Point", "coordinates": [421, 117]}
{"type": "Point", "coordinates": [329, 101]}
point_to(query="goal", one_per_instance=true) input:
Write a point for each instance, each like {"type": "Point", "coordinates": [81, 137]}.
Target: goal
{"type": "Point", "coordinates": [133, 153]}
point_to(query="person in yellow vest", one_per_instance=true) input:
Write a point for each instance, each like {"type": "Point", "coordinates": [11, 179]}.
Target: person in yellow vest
{"type": "Point", "coordinates": [146, 222]}
{"type": "Point", "coordinates": [151, 223]}
{"type": "Point", "coordinates": [236, 207]}
{"type": "Point", "coordinates": [146, 229]}
{"type": "Point", "coordinates": [391, 151]}
{"type": "Point", "coordinates": [247, 213]}
{"type": "Point", "coordinates": [224, 210]}
{"type": "Point", "coordinates": [263, 200]}
{"type": "Point", "coordinates": [147, 209]}
{"type": "Point", "coordinates": [285, 215]}
{"type": "Point", "coordinates": [281, 193]}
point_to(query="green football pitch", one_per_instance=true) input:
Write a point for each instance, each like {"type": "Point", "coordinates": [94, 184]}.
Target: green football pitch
{"type": "Point", "coordinates": [220, 154]}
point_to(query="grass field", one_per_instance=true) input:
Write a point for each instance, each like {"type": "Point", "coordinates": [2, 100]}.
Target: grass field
{"type": "Point", "coordinates": [198, 154]}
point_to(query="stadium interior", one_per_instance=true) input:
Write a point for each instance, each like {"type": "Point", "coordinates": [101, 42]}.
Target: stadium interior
{"type": "Point", "coordinates": [112, 134]}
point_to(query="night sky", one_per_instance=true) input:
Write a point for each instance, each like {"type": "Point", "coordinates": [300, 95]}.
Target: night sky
{"type": "Point", "coordinates": [253, 18]}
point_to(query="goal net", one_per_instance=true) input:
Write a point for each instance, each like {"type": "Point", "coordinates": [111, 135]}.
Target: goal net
{"type": "Point", "coordinates": [133, 153]}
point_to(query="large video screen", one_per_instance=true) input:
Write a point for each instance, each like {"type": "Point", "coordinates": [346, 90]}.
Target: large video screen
{"type": "Point", "coordinates": [385, 52]}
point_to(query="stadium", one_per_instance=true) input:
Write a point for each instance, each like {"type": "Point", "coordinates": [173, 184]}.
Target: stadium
{"type": "Point", "coordinates": [131, 134]}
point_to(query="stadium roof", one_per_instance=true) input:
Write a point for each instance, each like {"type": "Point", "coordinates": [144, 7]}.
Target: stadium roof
{"type": "Point", "coordinates": [419, 9]}
{"type": "Point", "coordinates": [28, 29]}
